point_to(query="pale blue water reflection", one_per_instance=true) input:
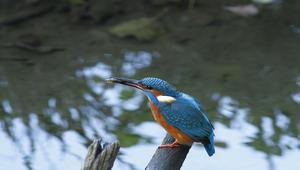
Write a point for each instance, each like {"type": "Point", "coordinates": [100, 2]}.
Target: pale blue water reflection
{"type": "Point", "coordinates": [295, 29]}
{"type": "Point", "coordinates": [50, 152]}
{"type": "Point", "coordinates": [6, 106]}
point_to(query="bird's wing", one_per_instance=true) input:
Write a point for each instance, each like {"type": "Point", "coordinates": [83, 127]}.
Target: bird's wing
{"type": "Point", "coordinates": [189, 119]}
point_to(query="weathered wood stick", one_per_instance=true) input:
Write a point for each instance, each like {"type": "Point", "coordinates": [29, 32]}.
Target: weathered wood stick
{"type": "Point", "coordinates": [100, 159]}
{"type": "Point", "coordinates": [168, 158]}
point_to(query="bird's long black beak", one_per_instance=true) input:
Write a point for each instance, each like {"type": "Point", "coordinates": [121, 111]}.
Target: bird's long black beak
{"type": "Point", "coordinates": [128, 82]}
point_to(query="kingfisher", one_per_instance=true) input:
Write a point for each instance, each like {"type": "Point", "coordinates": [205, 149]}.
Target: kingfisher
{"type": "Point", "coordinates": [181, 115]}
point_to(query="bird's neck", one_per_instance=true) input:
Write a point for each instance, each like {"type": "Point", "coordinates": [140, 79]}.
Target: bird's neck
{"type": "Point", "coordinates": [156, 97]}
{"type": "Point", "coordinates": [152, 97]}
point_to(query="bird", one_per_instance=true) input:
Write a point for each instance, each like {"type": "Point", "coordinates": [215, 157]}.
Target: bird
{"type": "Point", "coordinates": [181, 115]}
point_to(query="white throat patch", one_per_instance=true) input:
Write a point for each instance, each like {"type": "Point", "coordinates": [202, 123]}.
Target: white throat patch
{"type": "Point", "coordinates": [167, 99]}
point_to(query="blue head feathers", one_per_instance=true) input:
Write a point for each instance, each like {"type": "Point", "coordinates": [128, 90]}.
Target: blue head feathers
{"type": "Point", "coordinates": [160, 85]}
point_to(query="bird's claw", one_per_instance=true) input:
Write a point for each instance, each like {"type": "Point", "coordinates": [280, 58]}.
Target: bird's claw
{"type": "Point", "coordinates": [173, 145]}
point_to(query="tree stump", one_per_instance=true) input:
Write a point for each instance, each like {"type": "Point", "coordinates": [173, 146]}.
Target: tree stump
{"type": "Point", "coordinates": [99, 158]}
{"type": "Point", "coordinates": [168, 158]}
{"type": "Point", "coordinates": [163, 159]}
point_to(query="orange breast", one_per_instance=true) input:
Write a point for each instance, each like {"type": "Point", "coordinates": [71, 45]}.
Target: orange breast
{"type": "Point", "coordinates": [176, 133]}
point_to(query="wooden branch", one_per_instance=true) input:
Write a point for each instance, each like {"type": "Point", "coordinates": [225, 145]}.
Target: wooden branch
{"type": "Point", "coordinates": [100, 159]}
{"type": "Point", "coordinates": [163, 159]}
{"type": "Point", "coordinates": [168, 158]}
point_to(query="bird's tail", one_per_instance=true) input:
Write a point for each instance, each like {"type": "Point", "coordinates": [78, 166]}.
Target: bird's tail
{"type": "Point", "coordinates": [210, 148]}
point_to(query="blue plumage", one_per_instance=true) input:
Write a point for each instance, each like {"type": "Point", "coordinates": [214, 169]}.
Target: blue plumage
{"type": "Point", "coordinates": [185, 113]}
{"type": "Point", "coordinates": [189, 116]}
{"type": "Point", "coordinates": [210, 148]}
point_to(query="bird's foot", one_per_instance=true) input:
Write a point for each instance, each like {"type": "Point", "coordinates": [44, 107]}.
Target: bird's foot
{"type": "Point", "coordinates": [175, 144]}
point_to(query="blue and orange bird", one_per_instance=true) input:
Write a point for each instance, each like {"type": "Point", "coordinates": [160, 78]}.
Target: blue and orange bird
{"type": "Point", "coordinates": [181, 115]}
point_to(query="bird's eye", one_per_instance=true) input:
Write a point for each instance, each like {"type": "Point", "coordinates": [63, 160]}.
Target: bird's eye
{"type": "Point", "coordinates": [148, 87]}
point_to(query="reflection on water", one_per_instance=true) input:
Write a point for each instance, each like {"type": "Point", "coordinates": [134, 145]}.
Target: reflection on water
{"type": "Point", "coordinates": [6, 106]}
{"type": "Point", "coordinates": [295, 29]}
{"type": "Point", "coordinates": [296, 97]}
{"type": "Point", "coordinates": [3, 82]}
{"type": "Point", "coordinates": [36, 149]}
{"type": "Point", "coordinates": [135, 61]}
{"type": "Point", "coordinates": [60, 133]}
